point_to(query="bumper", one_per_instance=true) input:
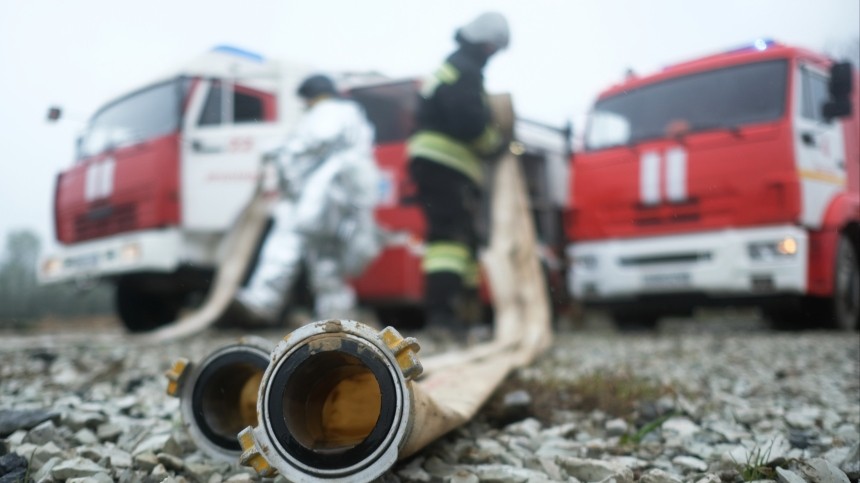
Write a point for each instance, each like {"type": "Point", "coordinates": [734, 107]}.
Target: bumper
{"type": "Point", "coordinates": [726, 263]}
{"type": "Point", "coordinates": [149, 251]}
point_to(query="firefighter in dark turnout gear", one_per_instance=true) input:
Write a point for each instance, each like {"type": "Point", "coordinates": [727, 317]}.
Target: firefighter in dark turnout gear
{"type": "Point", "coordinates": [454, 132]}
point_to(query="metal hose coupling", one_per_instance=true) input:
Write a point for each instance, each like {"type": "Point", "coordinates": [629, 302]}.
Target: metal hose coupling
{"type": "Point", "coordinates": [218, 396]}
{"type": "Point", "coordinates": [335, 404]}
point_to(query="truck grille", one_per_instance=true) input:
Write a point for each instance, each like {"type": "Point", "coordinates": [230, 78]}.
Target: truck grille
{"type": "Point", "coordinates": [105, 220]}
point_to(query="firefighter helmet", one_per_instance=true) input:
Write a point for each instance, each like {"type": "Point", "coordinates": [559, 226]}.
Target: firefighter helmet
{"type": "Point", "coordinates": [316, 85]}
{"type": "Point", "coordinates": [488, 28]}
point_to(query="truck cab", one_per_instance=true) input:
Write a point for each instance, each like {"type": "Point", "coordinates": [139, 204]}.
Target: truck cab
{"type": "Point", "coordinates": [161, 173]}
{"type": "Point", "coordinates": [726, 180]}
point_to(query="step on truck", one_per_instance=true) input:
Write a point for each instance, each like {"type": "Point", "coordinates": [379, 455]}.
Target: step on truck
{"type": "Point", "coordinates": [161, 174]}
{"type": "Point", "coordinates": [730, 179]}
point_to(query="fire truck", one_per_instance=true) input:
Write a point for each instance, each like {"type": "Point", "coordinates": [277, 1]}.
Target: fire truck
{"type": "Point", "coordinates": [730, 179]}
{"type": "Point", "coordinates": [162, 173]}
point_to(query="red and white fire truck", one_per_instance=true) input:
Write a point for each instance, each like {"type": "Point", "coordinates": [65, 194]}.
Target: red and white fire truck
{"type": "Point", "coordinates": [728, 179]}
{"type": "Point", "coordinates": [162, 173]}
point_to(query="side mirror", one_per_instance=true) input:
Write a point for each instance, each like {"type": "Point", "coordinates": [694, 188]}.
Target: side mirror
{"type": "Point", "coordinates": [841, 81]}
{"type": "Point", "coordinates": [54, 113]}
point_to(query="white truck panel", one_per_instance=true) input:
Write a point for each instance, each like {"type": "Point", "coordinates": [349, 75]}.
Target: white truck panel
{"type": "Point", "coordinates": [715, 263]}
{"type": "Point", "coordinates": [154, 250]}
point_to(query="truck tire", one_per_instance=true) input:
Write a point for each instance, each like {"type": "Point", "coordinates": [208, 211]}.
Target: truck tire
{"type": "Point", "coordinates": [845, 305]}
{"type": "Point", "coordinates": [142, 310]}
{"type": "Point", "coordinates": [635, 320]}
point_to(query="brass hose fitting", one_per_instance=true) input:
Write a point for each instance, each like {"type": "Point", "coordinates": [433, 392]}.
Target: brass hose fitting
{"type": "Point", "coordinates": [335, 403]}
{"type": "Point", "coordinates": [218, 396]}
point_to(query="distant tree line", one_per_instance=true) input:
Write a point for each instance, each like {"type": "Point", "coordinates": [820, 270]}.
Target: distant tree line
{"type": "Point", "coordinates": [23, 299]}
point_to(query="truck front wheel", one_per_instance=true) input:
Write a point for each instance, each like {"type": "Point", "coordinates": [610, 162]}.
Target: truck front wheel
{"type": "Point", "coordinates": [846, 289]}
{"type": "Point", "coordinates": [142, 309]}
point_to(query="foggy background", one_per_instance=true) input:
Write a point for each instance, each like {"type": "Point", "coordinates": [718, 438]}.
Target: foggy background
{"type": "Point", "coordinates": [82, 54]}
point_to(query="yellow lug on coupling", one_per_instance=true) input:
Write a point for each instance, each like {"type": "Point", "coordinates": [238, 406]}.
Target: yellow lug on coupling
{"type": "Point", "coordinates": [404, 350]}
{"type": "Point", "coordinates": [251, 455]}
{"type": "Point", "coordinates": [175, 375]}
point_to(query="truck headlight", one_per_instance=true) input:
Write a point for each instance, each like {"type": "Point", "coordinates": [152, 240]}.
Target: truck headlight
{"type": "Point", "coordinates": [130, 253]}
{"type": "Point", "coordinates": [52, 266]}
{"type": "Point", "coordinates": [773, 250]}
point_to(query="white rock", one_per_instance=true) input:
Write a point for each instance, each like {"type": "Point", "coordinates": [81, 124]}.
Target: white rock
{"type": "Point", "coordinates": [788, 476]}
{"type": "Point", "coordinates": [690, 463]}
{"type": "Point", "coordinates": [803, 418]}
{"type": "Point", "coordinates": [591, 470]}
{"type": "Point", "coordinates": [76, 468]}
{"type": "Point", "coordinates": [615, 427]}
{"type": "Point", "coordinates": [658, 476]}
{"type": "Point", "coordinates": [820, 470]}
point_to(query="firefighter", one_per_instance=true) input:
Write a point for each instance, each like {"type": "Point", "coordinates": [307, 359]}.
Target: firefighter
{"type": "Point", "coordinates": [325, 218]}
{"type": "Point", "coordinates": [454, 132]}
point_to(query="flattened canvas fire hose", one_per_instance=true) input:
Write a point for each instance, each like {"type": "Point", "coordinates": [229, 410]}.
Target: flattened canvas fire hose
{"type": "Point", "coordinates": [341, 402]}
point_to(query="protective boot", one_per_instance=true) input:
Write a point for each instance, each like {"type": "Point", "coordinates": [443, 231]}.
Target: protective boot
{"type": "Point", "coordinates": [443, 291]}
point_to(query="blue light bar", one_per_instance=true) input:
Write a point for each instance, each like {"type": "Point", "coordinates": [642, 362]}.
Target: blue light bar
{"type": "Point", "coordinates": [229, 49]}
{"type": "Point", "coordinates": [759, 44]}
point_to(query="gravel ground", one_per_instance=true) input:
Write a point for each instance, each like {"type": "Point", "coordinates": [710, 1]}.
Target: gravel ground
{"type": "Point", "coordinates": [725, 400]}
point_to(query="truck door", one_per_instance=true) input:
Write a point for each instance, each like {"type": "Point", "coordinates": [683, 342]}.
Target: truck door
{"type": "Point", "coordinates": [819, 145]}
{"type": "Point", "coordinates": [226, 130]}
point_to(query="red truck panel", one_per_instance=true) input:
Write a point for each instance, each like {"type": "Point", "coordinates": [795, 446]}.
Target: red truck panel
{"type": "Point", "coordinates": [145, 193]}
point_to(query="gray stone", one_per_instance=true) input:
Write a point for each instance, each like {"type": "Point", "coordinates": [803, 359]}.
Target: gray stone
{"type": "Point", "coordinates": [76, 468]}
{"type": "Point", "coordinates": [145, 461]}
{"type": "Point", "coordinates": [12, 420]}
{"type": "Point", "coordinates": [851, 464]}
{"type": "Point", "coordinates": [241, 478]}
{"type": "Point", "coordinates": [787, 476]}
{"type": "Point", "coordinates": [109, 432]}
{"type": "Point", "coordinates": [413, 471]}
{"type": "Point", "coordinates": [438, 468]}
{"type": "Point", "coordinates": [819, 470]}
{"type": "Point", "coordinates": [77, 420]}
{"type": "Point", "coordinates": [679, 427]}
{"type": "Point", "coordinates": [530, 428]}
{"type": "Point", "coordinates": [132, 436]}
{"type": "Point", "coordinates": [659, 476]}
{"type": "Point", "coordinates": [690, 463]}
{"type": "Point", "coordinates": [503, 473]}
{"type": "Point", "coordinates": [803, 418]}
{"type": "Point", "coordinates": [13, 468]}
{"type": "Point", "coordinates": [118, 458]}
{"type": "Point", "coordinates": [552, 469]}
{"type": "Point", "coordinates": [85, 436]}
{"type": "Point", "coordinates": [199, 472]}
{"type": "Point", "coordinates": [44, 433]}
{"type": "Point", "coordinates": [44, 471]}
{"type": "Point", "coordinates": [615, 427]}
{"type": "Point", "coordinates": [590, 470]}
{"type": "Point", "coordinates": [710, 478]}
{"type": "Point", "coordinates": [172, 463]}
{"type": "Point", "coordinates": [159, 471]}
{"type": "Point", "coordinates": [96, 478]}
{"type": "Point", "coordinates": [162, 443]}
{"type": "Point", "coordinates": [463, 476]}
{"type": "Point", "coordinates": [44, 453]}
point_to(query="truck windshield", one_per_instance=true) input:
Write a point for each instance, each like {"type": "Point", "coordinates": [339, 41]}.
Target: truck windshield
{"type": "Point", "coordinates": [718, 99]}
{"type": "Point", "coordinates": [141, 116]}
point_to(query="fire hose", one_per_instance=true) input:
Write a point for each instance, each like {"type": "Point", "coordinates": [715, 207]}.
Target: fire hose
{"type": "Point", "coordinates": [339, 401]}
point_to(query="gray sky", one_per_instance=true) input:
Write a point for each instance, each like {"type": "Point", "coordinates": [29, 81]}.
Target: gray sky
{"type": "Point", "coordinates": [80, 54]}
